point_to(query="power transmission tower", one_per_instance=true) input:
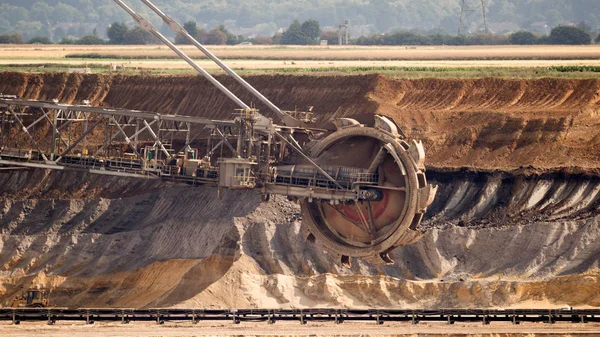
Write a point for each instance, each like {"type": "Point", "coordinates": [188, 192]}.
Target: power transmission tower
{"type": "Point", "coordinates": [467, 8]}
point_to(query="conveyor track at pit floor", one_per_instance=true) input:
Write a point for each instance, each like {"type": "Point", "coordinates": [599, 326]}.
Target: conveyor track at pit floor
{"type": "Point", "coordinates": [303, 316]}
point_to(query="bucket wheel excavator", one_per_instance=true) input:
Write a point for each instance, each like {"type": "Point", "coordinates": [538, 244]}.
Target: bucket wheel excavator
{"type": "Point", "coordinates": [361, 186]}
{"type": "Point", "coordinates": [395, 188]}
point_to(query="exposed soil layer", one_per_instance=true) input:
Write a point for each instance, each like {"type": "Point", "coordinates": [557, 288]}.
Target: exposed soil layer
{"type": "Point", "coordinates": [483, 123]}
{"type": "Point", "coordinates": [517, 225]}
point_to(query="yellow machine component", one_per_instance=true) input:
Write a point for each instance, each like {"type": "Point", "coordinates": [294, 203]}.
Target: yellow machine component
{"type": "Point", "coordinates": [33, 298]}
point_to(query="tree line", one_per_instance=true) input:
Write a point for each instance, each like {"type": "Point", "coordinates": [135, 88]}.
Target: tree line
{"type": "Point", "coordinates": [569, 35]}
{"type": "Point", "coordinates": [309, 32]}
{"type": "Point", "coordinates": [56, 19]}
{"type": "Point", "coordinates": [217, 35]}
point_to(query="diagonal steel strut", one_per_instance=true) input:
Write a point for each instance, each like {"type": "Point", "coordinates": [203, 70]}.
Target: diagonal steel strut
{"type": "Point", "coordinates": [178, 29]}
{"type": "Point", "coordinates": [146, 25]}
{"type": "Point", "coordinates": [33, 142]}
{"type": "Point", "coordinates": [114, 136]}
{"type": "Point", "coordinates": [82, 137]}
{"type": "Point", "coordinates": [299, 150]}
{"type": "Point", "coordinates": [128, 140]}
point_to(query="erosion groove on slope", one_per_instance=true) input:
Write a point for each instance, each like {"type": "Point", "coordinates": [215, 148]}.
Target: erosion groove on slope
{"type": "Point", "coordinates": [162, 245]}
{"type": "Point", "coordinates": [492, 199]}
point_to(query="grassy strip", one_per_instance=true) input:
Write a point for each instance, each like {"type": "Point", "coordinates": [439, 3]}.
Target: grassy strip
{"type": "Point", "coordinates": [440, 72]}
{"type": "Point", "coordinates": [574, 72]}
{"type": "Point", "coordinates": [368, 69]}
{"type": "Point", "coordinates": [570, 69]}
{"type": "Point", "coordinates": [300, 57]}
{"type": "Point", "coordinates": [64, 66]}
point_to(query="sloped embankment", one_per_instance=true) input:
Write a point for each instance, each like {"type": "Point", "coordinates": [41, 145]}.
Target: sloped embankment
{"type": "Point", "coordinates": [495, 236]}
{"type": "Point", "coordinates": [169, 245]}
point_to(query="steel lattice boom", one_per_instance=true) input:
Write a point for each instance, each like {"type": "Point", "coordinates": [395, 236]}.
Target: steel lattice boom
{"type": "Point", "coordinates": [362, 189]}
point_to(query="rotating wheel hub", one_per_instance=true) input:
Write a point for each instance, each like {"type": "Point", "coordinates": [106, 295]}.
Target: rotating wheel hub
{"type": "Point", "coordinates": [393, 202]}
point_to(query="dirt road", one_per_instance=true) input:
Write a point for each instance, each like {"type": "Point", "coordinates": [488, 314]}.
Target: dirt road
{"type": "Point", "coordinates": [277, 52]}
{"type": "Point", "coordinates": [294, 329]}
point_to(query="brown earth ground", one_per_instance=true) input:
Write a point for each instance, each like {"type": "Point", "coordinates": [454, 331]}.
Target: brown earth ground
{"type": "Point", "coordinates": [295, 329]}
{"type": "Point", "coordinates": [515, 223]}
{"type": "Point", "coordinates": [482, 123]}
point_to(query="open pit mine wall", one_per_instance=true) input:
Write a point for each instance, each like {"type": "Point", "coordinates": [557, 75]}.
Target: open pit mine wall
{"type": "Point", "coordinates": [482, 123]}
{"type": "Point", "coordinates": [495, 236]}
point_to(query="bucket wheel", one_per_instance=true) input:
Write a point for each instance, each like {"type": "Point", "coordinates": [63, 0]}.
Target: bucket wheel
{"type": "Point", "coordinates": [373, 227]}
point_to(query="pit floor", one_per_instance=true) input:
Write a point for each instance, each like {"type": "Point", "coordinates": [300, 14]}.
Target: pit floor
{"type": "Point", "coordinates": [186, 329]}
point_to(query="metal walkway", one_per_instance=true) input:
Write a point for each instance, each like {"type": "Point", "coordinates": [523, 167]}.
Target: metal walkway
{"type": "Point", "coordinates": [303, 316]}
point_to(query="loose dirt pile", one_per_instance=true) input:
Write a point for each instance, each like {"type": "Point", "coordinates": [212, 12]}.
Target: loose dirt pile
{"type": "Point", "coordinates": [495, 237]}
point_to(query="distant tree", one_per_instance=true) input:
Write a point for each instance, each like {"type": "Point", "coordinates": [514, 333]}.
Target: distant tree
{"type": "Point", "coordinates": [487, 40]}
{"type": "Point", "coordinates": [522, 38]}
{"type": "Point", "coordinates": [309, 32]}
{"type": "Point", "coordinates": [262, 40]}
{"type": "Point", "coordinates": [192, 28]}
{"type": "Point", "coordinates": [44, 31]}
{"type": "Point", "coordinates": [277, 38]}
{"type": "Point", "coordinates": [231, 38]}
{"type": "Point", "coordinates": [65, 13]}
{"type": "Point", "coordinates": [448, 40]}
{"type": "Point", "coordinates": [331, 36]}
{"type": "Point", "coordinates": [28, 29]}
{"type": "Point", "coordinates": [216, 36]}
{"type": "Point", "coordinates": [569, 35]}
{"type": "Point", "coordinates": [40, 40]}
{"type": "Point", "coordinates": [237, 39]}
{"type": "Point", "coordinates": [597, 40]}
{"type": "Point", "coordinates": [40, 11]}
{"type": "Point", "coordinates": [68, 40]}
{"type": "Point", "coordinates": [406, 39]}
{"type": "Point", "coordinates": [137, 35]}
{"type": "Point", "coordinates": [90, 39]}
{"type": "Point", "coordinates": [13, 14]}
{"type": "Point", "coordinates": [457, 41]}
{"type": "Point", "coordinates": [585, 27]}
{"type": "Point", "coordinates": [372, 16]}
{"type": "Point", "coordinates": [201, 36]}
{"type": "Point", "coordinates": [373, 40]}
{"type": "Point", "coordinates": [294, 34]}
{"type": "Point", "coordinates": [116, 33]}
{"type": "Point", "coordinates": [312, 30]}
{"type": "Point", "coordinates": [11, 39]}
{"type": "Point", "coordinates": [544, 39]}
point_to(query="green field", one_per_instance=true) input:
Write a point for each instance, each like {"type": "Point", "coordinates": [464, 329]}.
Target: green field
{"type": "Point", "coordinates": [399, 62]}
